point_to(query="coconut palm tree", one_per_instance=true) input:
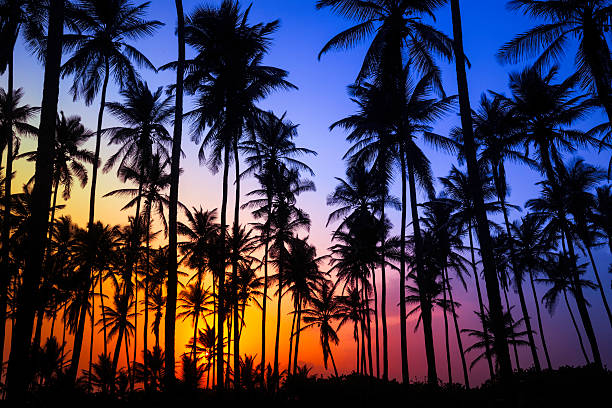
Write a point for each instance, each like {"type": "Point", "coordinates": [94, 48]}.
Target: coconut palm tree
{"type": "Point", "coordinates": [229, 79]}
{"type": "Point", "coordinates": [588, 22]}
{"type": "Point", "coordinates": [192, 305]}
{"type": "Point", "coordinates": [323, 311]}
{"type": "Point", "coordinates": [580, 181]}
{"type": "Point", "coordinates": [269, 151]}
{"type": "Point", "coordinates": [552, 207]}
{"type": "Point", "coordinates": [469, 150]}
{"type": "Point", "coordinates": [102, 52]}
{"type": "Point", "coordinates": [350, 310]}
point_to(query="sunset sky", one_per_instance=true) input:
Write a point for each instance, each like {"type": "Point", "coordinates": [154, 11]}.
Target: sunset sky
{"type": "Point", "coordinates": [320, 101]}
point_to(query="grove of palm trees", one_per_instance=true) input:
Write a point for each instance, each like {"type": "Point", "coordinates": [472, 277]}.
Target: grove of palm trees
{"type": "Point", "coordinates": [290, 203]}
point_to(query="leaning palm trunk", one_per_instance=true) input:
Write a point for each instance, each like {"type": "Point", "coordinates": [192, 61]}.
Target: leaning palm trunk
{"type": "Point", "coordinates": [78, 339]}
{"type": "Point", "coordinates": [383, 300]}
{"type": "Point", "coordinates": [495, 305]}
{"type": "Point", "coordinates": [600, 286]}
{"type": "Point", "coordinates": [297, 335]}
{"type": "Point", "coordinates": [527, 320]}
{"type": "Point", "coordinates": [291, 336]}
{"type": "Point", "coordinates": [175, 170]}
{"type": "Point", "coordinates": [480, 303]}
{"type": "Point", "coordinates": [569, 309]}
{"type": "Point", "coordinates": [18, 371]}
{"type": "Point", "coordinates": [466, 377]}
{"type": "Point", "coordinates": [426, 307]}
{"type": "Point", "coordinates": [540, 326]}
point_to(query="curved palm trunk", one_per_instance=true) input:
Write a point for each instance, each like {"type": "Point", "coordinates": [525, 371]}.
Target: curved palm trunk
{"type": "Point", "coordinates": [480, 303]}
{"type": "Point", "coordinates": [376, 342]}
{"type": "Point", "coordinates": [172, 282]}
{"type": "Point", "coordinates": [466, 378]}
{"type": "Point", "coordinates": [291, 336]}
{"type": "Point", "coordinates": [332, 359]}
{"type": "Point", "coordinates": [297, 335]}
{"type": "Point", "coordinates": [18, 371]}
{"type": "Point", "coordinates": [526, 319]}
{"type": "Point", "coordinates": [6, 229]}
{"type": "Point", "coordinates": [383, 303]}
{"type": "Point", "coordinates": [484, 235]}
{"type": "Point", "coordinates": [235, 268]}
{"type": "Point", "coordinates": [600, 286]}
{"type": "Point", "coordinates": [540, 326]}
{"type": "Point", "coordinates": [402, 286]}
{"type": "Point", "coordinates": [508, 308]}
{"type": "Point", "coordinates": [221, 313]}
{"type": "Point", "coordinates": [445, 314]}
{"type": "Point", "coordinates": [78, 339]}
{"type": "Point", "coordinates": [426, 307]}
{"type": "Point", "coordinates": [569, 309]}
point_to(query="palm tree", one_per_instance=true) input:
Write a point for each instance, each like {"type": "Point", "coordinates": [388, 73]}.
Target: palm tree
{"type": "Point", "coordinates": [580, 181]}
{"type": "Point", "coordinates": [588, 22]}
{"type": "Point", "coordinates": [469, 149]}
{"type": "Point", "coordinates": [602, 216]}
{"type": "Point", "coordinates": [269, 151]}
{"type": "Point", "coordinates": [324, 309]}
{"type": "Point", "coordinates": [397, 29]}
{"type": "Point", "coordinates": [101, 51]}
{"type": "Point", "coordinates": [228, 76]}
{"type": "Point", "coordinates": [14, 120]}
{"type": "Point", "coordinates": [531, 245]}
{"type": "Point", "coordinates": [559, 271]}
{"type": "Point", "coordinates": [350, 310]}
{"type": "Point", "coordinates": [192, 305]}
{"type": "Point", "coordinates": [552, 207]}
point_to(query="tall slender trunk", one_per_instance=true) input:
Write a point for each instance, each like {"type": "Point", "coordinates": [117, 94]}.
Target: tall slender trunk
{"type": "Point", "coordinates": [569, 309]}
{"type": "Point", "coordinates": [466, 378]}
{"type": "Point", "coordinates": [235, 267]}
{"type": "Point", "coordinates": [368, 329]}
{"type": "Point", "coordinates": [297, 335]}
{"type": "Point", "coordinates": [534, 353]}
{"type": "Point", "coordinates": [484, 235]}
{"type": "Point", "coordinates": [583, 309]}
{"type": "Point", "coordinates": [402, 285]}
{"type": "Point", "coordinates": [6, 225]}
{"type": "Point", "coordinates": [275, 372]}
{"type": "Point", "coordinates": [600, 286]}
{"type": "Point", "coordinates": [18, 370]}
{"type": "Point", "coordinates": [175, 170]}
{"type": "Point", "coordinates": [540, 326]}
{"type": "Point", "coordinates": [221, 294]}
{"type": "Point", "coordinates": [383, 301]}
{"type": "Point", "coordinates": [480, 303]}
{"type": "Point", "coordinates": [145, 329]}
{"type": "Point", "coordinates": [78, 338]}
{"type": "Point", "coordinates": [264, 306]}
{"type": "Point", "coordinates": [376, 321]}
{"type": "Point", "coordinates": [508, 308]}
{"type": "Point", "coordinates": [426, 306]}
{"type": "Point", "coordinates": [291, 336]}
{"type": "Point", "coordinates": [332, 360]}
{"type": "Point", "coordinates": [445, 314]}
{"type": "Point", "coordinates": [91, 338]}
{"type": "Point", "coordinates": [135, 352]}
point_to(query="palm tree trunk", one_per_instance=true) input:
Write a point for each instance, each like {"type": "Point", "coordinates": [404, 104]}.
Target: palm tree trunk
{"type": "Point", "coordinates": [368, 329]}
{"type": "Point", "coordinates": [145, 330]}
{"type": "Point", "coordinates": [484, 235]}
{"type": "Point", "coordinates": [466, 378]}
{"type": "Point", "coordinates": [527, 320]}
{"type": "Point", "coordinates": [91, 338]}
{"type": "Point", "coordinates": [291, 338]}
{"type": "Point", "coordinates": [6, 225]}
{"type": "Point", "coordinates": [569, 309]}
{"type": "Point", "coordinates": [229, 348]}
{"type": "Point", "coordinates": [426, 307]}
{"type": "Point", "coordinates": [383, 301]}
{"type": "Point", "coordinates": [444, 311]}
{"type": "Point", "coordinates": [221, 294]}
{"type": "Point", "coordinates": [275, 372]}
{"type": "Point", "coordinates": [118, 347]}
{"type": "Point", "coordinates": [195, 336]}
{"type": "Point", "coordinates": [540, 326]}
{"type": "Point", "coordinates": [376, 321]}
{"type": "Point", "coordinates": [332, 360]}
{"type": "Point", "coordinates": [214, 351]}
{"type": "Point", "coordinates": [508, 308]}
{"type": "Point", "coordinates": [583, 309]}
{"type": "Point", "coordinates": [402, 285]}
{"type": "Point", "coordinates": [598, 59]}
{"type": "Point", "coordinates": [297, 335]}
{"type": "Point", "coordinates": [103, 314]}
{"type": "Point", "coordinates": [53, 207]}
{"type": "Point", "coordinates": [264, 306]}
{"type": "Point", "coordinates": [480, 302]}
{"type": "Point", "coordinates": [600, 286]}
{"type": "Point", "coordinates": [356, 335]}
{"type": "Point", "coordinates": [18, 370]}
{"type": "Point", "coordinates": [235, 267]}
{"type": "Point", "coordinates": [78, 339]}
{"type": "Point", "coordinates": [175, 170]}
{"type": "Point", "coordinates": [135, 353]}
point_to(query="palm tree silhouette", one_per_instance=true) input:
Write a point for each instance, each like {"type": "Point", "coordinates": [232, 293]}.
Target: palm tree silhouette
{"type": "Point", "coordinates": [101, 51]}
{"type": "Point", "coordinates": [192, 304]}
{"type": "Point", "coordinates": [588, 22]}
{"type": "Point", "coordinates": [602, 216]}
{"type": "Point", "coordinates": [229, 79]}
{"type": "Point", "coordinates": [323, 311]}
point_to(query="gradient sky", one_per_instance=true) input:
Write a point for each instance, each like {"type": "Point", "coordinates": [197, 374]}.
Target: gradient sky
{"type": "Point", "coordinates": [321, 100]}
